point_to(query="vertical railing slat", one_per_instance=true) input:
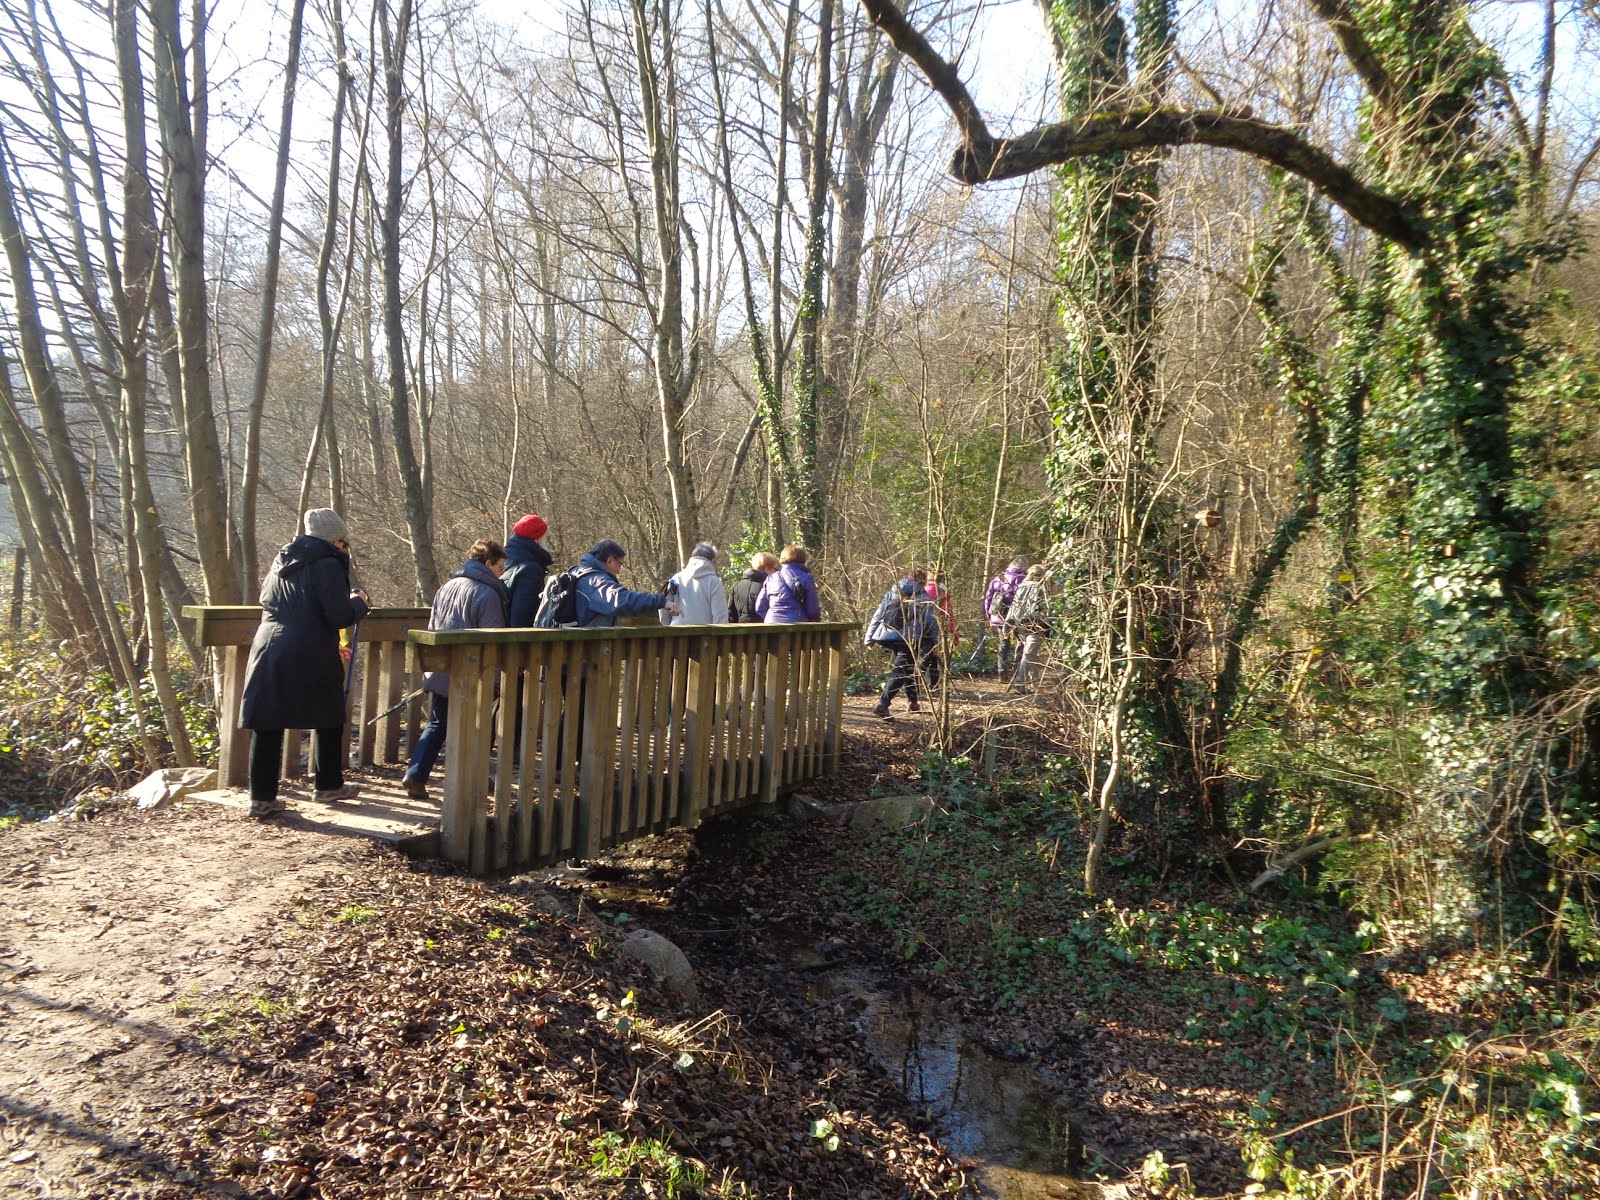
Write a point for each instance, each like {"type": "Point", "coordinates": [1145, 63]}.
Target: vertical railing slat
{"type": "Point", "coordinates": [628, 737]}
{"type": "Point", "coordinates": [234, 747]}
{"type": "Point", "coordinates": [505, 772]}
{"type": "Point", "coordinates": [531, 806]}
{"type": "Point", "coordinates": [549, 746]}
{"type": "Point", "coordinates": [460, 755]}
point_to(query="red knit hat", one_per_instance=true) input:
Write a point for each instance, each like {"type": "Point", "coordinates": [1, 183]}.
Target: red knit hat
{"type": "Point", "coordinates": [531, 526]}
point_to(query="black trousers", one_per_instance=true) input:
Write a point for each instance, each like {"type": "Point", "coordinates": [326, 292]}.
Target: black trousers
{"type": "Point", "coordinates": [905, 672]}
{"type": "Point", "coordinates": [266, 762]}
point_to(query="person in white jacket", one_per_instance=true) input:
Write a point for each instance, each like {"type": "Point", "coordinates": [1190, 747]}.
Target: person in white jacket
{"type": "Point", "coordinates": [699, 590]}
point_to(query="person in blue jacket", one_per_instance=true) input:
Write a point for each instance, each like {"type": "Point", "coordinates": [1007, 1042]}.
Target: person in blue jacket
{"type": "Point", "coordinates": [602, 599]}
{"type": "Point", "coordinates": [907, 625]}
{"type": "Point", "coordinates": [475, 597]}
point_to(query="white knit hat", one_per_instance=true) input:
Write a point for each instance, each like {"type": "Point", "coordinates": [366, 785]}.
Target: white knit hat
{"type": "Point", "coordinates": [326, 524]}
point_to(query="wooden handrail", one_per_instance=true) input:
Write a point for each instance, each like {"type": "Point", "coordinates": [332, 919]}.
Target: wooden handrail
{"type": "Point", "coordinates": [603, 735]}
{"type": "Point", "coordinates": [608, 734]}
{"type": "Point", "coordinates": [520, 636]}
{"type": "Point", "coordinates": [386, 670]}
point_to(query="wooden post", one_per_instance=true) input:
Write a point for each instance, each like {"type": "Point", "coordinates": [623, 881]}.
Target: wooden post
{"type": "Point", "coordinates": [293, 742]}
{"type": "Point", "coordinates": [531, 819]}
{"type": "Point", "coordinates": [466, 747]}
{"type": "Point", "coordinates": [721, 729]}
{"type": "Point", "coordinates": [749, 735]}
{"type": "Point", "coordinates": [233, 749]}
{"type": "Point", "coordinates": [478, 794]}
{"type": "Point", "coordinates": [593, 787]}
{"type": "Point", "coordinates": [701, 695]}
{"type": "Point", "coordinates": [678, 706]}
{"type": "Point", "coordinates": [630, 743]}
{"type": "Point", "coordinates": [571, 710]}
{"type": "Point", "coordinates": [392, 686]}
{"type": "Point", "coordinates": [656, 679]}
{"type": "Point", "coordinates": [777, 713]}
{"type": "Point", "coordinates": [835, 729]}
{"type": "Point", "coordinates": [511, 658]}
{"type": "Point", "coordinates": [549, 747]}
{"type": "Point", "coordinates": [366, 734]}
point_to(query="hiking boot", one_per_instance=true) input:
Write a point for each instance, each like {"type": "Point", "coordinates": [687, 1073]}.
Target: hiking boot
{"type": "Point", "coordinates": [880, 710]}
{"type": "Point", "coordinates": [338, 795]}
{"type": "Point", "coordinates": [913, 706]}
{"type": "Point", "coordinates": [417, 789]}
{"type": "Point", "coordinates": [262, 809]}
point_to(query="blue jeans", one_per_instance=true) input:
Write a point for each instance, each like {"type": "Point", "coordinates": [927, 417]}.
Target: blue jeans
{"type": "Point", "coordinates": [426, 751]}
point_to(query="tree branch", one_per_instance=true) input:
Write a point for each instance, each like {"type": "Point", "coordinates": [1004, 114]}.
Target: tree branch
{"type": "Point", "coordinates": [983, 158]}
{"type": "Point", "coordinates": [1363, 59]}
{"type": "Point", "coordinates": [941, 74]}
{"type": "Point", "coordinates": [1139, 129]}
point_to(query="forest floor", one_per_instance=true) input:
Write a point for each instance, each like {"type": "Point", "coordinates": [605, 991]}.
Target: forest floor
{"type": "Point", "coordinates": [193, 1004]}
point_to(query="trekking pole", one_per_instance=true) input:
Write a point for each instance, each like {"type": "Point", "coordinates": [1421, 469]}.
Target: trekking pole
{"type": "Point", "coordinates": [415, 694]}
{"type": "Point", "coordinates": [978, 649]}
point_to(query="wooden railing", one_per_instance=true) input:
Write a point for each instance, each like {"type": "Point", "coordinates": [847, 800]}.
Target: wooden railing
{"type": "Point", "coordinates": [624, 732]}
{"type": "Point", "coordinates": [385, 670]}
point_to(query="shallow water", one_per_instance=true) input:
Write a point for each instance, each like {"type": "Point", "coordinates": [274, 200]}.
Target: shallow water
{"type": "Point", "coordinates": [993, 1113]}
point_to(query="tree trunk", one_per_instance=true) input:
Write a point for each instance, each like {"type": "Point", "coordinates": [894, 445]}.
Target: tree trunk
{"type": "Point", "coordinates": [82, 600]}
{"type": "Point", "coordinates": [140, 249]}
{"type": "Point", "coordinates": [182, 118]}
{"type": "Point", "coordinates": [675, 369]}
{"type": "Point", "coordinates": [419, 517]}
{"type": "Point", "coordinates": [809, 399]}
{"type": "Point", "coordinates": [250, 484]}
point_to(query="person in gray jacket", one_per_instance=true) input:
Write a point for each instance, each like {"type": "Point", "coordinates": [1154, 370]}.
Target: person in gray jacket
{"type": "Point", "coordinates": [473, 598]}
{"type": "Point", "coordinates": [702, 600]}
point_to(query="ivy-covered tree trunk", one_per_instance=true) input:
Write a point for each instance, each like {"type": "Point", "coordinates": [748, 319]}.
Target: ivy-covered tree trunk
{"type": "Point", "coordinates": [1103, 397]}
{"type": "Point", "coordinates": [809, 385]}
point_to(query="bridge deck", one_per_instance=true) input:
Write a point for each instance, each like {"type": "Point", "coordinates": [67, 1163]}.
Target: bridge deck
{"type": "Point", "coordinates": [382, 813]}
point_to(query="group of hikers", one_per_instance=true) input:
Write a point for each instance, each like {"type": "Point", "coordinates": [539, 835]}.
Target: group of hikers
{"type": "Point", "coordinates": [915, 616]}
{"type": "Point", "coordinates": [298, 679]}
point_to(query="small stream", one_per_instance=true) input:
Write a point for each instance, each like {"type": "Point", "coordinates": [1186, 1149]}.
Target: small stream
{"type": "Point", "coordinates": [996, 1114]}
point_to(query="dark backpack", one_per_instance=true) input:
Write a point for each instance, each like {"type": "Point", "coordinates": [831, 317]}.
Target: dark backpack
{"type": "Point", "coordinates": [558, 607]}
{"type": "Point", "coordinates": [1002, 600]}
{"type": "Point", "coordinates": [797, 591]}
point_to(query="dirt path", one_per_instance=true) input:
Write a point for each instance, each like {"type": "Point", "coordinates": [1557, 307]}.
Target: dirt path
{"type": "Point", "coordinates": [110, 929]}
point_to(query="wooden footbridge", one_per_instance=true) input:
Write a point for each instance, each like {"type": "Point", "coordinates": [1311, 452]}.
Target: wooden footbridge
{"type": "Point", "coordinates": [564, 742]}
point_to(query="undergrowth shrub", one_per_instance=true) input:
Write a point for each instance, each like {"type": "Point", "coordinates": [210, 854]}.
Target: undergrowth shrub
{"type": "Point", "coordinates": [64, 729]}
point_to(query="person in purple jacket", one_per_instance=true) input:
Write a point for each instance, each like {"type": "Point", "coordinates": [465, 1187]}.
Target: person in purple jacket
{"type": "Point", "coordinates": [997, 600]}
{"type": "Point", "coordinates": [790, 594]}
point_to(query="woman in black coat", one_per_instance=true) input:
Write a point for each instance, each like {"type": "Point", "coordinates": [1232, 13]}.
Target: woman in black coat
{"type": "Point", "coordinates": [295, 679]}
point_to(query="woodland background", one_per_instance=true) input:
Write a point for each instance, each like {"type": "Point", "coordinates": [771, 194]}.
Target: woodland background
{"type": "Point", "coordinates": [667, 272]}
